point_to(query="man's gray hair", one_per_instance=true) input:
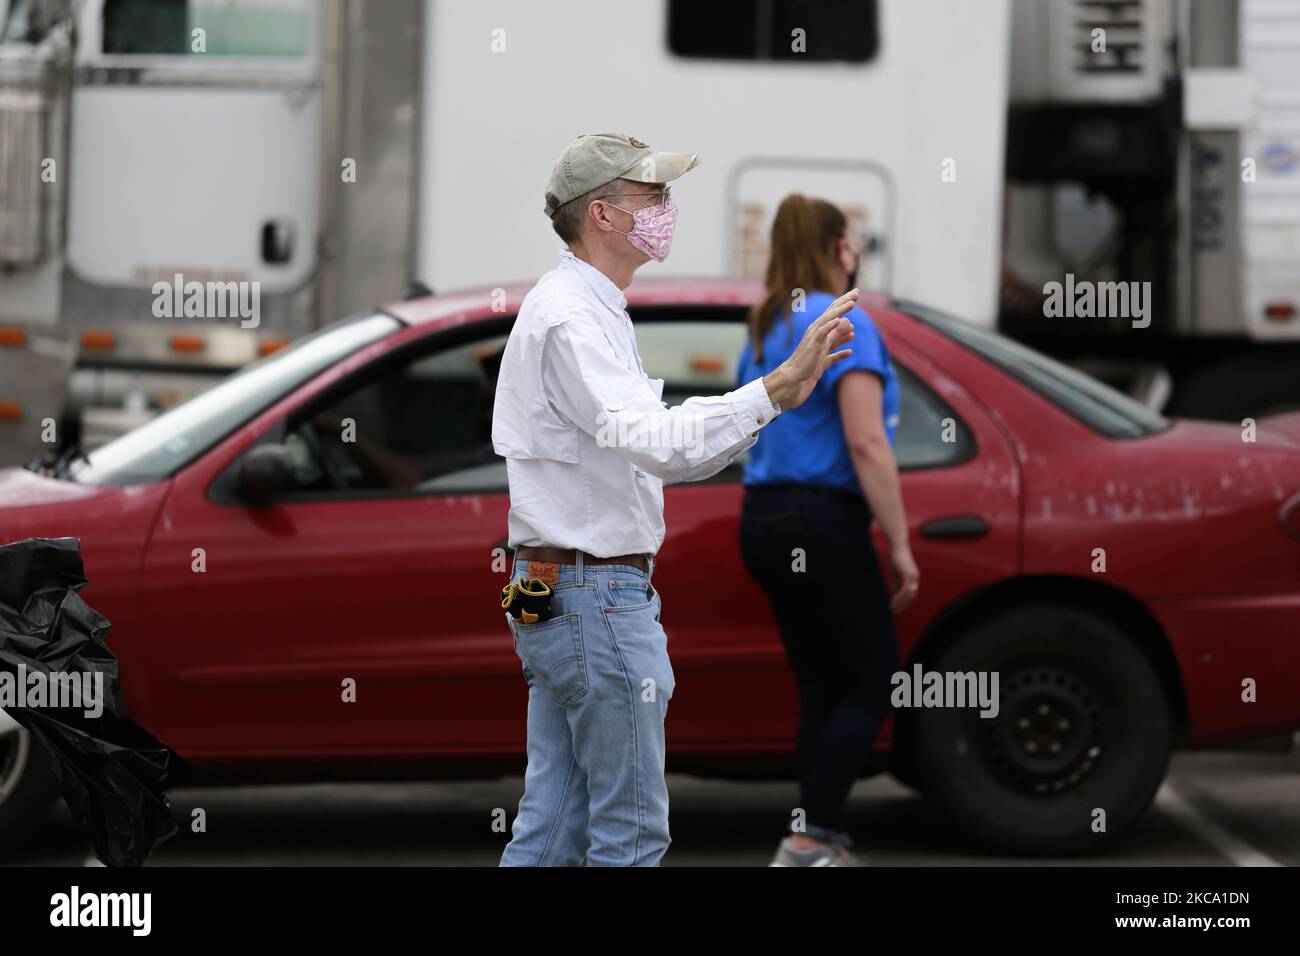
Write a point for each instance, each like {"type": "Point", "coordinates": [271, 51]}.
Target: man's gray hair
{"type": "Point", "coordinates": [567, 221]}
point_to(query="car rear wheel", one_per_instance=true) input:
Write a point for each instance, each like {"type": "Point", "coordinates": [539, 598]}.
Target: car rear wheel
{"type": "Point", "coordinates": [1080, 740]}
{"type": "Point", "coordinates": [29, 785]}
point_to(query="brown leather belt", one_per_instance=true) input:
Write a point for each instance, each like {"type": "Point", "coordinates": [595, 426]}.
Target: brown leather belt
{"type": "Point", "coordinates": [570, 556]}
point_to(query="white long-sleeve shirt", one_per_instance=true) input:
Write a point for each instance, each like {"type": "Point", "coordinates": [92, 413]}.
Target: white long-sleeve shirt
{"type": "Point", "coordinates": [588, 442]}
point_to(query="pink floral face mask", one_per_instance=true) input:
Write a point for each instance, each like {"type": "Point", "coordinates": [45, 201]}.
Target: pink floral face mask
{"type": "Point", "coordinates": [652, 229]}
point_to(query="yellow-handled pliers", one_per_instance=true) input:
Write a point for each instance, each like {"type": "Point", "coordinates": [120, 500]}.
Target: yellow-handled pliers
{"type": "Point", "coordinates": [527, 601]}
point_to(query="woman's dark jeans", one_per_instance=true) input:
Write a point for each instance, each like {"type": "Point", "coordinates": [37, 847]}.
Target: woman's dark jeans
{"type": "Point", "coordinates": [810, 550]}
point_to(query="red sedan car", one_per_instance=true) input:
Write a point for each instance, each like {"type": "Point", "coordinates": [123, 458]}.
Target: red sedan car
{"type": "Point", "coordinates": [1134, 582]}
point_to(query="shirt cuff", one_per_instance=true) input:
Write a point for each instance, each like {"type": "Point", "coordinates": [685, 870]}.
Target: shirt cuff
{"type": "Point", "coordinates": [753, 405]}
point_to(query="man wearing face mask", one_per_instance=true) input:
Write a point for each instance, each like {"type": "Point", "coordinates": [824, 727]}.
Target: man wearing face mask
{"type": "Point", "coordinates": [589, 445]}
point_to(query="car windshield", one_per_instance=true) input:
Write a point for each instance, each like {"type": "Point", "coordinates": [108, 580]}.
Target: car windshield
{"type": "Point", "coordinates": [171, 441]}
{"type": "Point", "coordinates": [1097, 405]}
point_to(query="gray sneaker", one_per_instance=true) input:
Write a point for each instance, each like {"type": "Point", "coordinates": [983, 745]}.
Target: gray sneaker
{"type": "Point", "coordinates": [824, 854]}
{"type": "Point", "coordinates": [848, 858]}
{"type": "Point", "coordinates": [844, 843]}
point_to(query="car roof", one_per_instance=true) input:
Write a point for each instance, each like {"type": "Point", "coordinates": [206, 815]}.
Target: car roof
{"type": "Point", "coordinates": [454, 308]}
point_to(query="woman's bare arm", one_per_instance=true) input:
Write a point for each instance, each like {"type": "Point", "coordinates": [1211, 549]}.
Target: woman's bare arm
{"type": "Point", "coordinates": [860, 396]}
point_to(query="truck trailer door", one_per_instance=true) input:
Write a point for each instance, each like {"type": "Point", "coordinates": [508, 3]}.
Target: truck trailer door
{"type": "Point", "coordinates": [196, 131]}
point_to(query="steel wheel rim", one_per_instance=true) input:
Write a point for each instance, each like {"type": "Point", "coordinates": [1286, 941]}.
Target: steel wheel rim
{"type": "Point", "coordinates": [1047, 737]}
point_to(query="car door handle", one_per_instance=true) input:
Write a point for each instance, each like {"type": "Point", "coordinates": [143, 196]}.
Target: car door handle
{"type": "Point", "coordinates": [957, 526]}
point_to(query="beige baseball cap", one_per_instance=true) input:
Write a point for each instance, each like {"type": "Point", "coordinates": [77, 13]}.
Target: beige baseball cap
{"type": "Point", "coordinates": [594, 159]}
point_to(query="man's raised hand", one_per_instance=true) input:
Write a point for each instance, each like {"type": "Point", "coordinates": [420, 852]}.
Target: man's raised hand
{"type": "Point", "coordinates": [791, 382]}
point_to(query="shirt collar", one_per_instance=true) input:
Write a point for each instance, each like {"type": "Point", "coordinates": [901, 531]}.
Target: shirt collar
{"type": "Point", "coordinates": [608, 293]}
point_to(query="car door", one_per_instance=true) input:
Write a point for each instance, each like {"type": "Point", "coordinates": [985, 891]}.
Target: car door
{"type": "Point", "coordinates": [358, 614]}
{"type": "Point", "coordinates": [734, 688]}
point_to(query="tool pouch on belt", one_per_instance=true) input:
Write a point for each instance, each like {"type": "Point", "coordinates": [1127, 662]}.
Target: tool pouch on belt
{"type": "Point", "coordinates": [527, 601]}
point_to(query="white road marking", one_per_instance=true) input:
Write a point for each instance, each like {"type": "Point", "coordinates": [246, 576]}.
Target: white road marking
{"type": "Point", "coordinates": [1236, 850]}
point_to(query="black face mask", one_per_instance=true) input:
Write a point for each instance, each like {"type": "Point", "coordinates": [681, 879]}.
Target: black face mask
{"type": "Point", "coordinates": [853, 276]}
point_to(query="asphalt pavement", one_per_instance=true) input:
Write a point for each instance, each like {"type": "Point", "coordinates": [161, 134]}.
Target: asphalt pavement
{"type": "Point", "coordinates": [1215, 809]}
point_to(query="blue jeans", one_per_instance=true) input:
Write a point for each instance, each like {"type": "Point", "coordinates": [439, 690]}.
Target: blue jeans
{"type": "Point", "coordinates": [599, 681]}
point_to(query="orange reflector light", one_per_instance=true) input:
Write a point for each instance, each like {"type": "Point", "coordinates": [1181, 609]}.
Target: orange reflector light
{"type": "Point", "coordinates": [1279, 311]}
{"type": "Point", "coordinates": [12, 337]}
{"type": "Point", "coordinates": [187, 343]}
{"type": "Point", "coordinates": [11, 411]}
{"type": "Point", "coordinates": [98, 339]}
{"type": "Point", "coordinates": [707, 363]}
{"type": "Point", "coordinates": [267, 346]}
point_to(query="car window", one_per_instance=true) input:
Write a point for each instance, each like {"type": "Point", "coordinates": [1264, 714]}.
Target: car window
{"type": "Point", "coordinates": [420, 423]}
{"type": "Point", "coordinates": [699, 358]}
{"type": "Point", "coordinates": [163, 446]}
{"type": "Point", "coordinates": [929, 434]}
{"type": "Point", "coordinates": [1096, 405]}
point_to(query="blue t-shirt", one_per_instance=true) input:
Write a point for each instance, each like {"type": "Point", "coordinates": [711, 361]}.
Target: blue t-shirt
{"type": "Point", "coordinates": [806, 445]}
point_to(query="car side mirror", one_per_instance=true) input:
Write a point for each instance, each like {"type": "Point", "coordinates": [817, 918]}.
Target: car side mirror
{"type": "Point", "coordinates": [266, 471]}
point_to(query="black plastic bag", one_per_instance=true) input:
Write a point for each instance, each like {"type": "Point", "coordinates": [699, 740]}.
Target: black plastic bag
{"type": "Point", "coordinates": [113, 771]}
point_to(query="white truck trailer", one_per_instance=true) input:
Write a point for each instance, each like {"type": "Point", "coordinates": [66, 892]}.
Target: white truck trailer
{"type": "Point", "coordinates": [327, 155]}
{"type": "Point", "coordinates": [332, 153]}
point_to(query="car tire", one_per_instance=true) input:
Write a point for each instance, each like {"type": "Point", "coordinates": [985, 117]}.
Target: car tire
{"type": "Point", "coordinates": [905, 773]}
{"type": "Point", "coordinates": [29, 789]}
{"type": "Point", "coordinates": [902, 764]}
{"type": "Point", "coordinates": [1083, 725]}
